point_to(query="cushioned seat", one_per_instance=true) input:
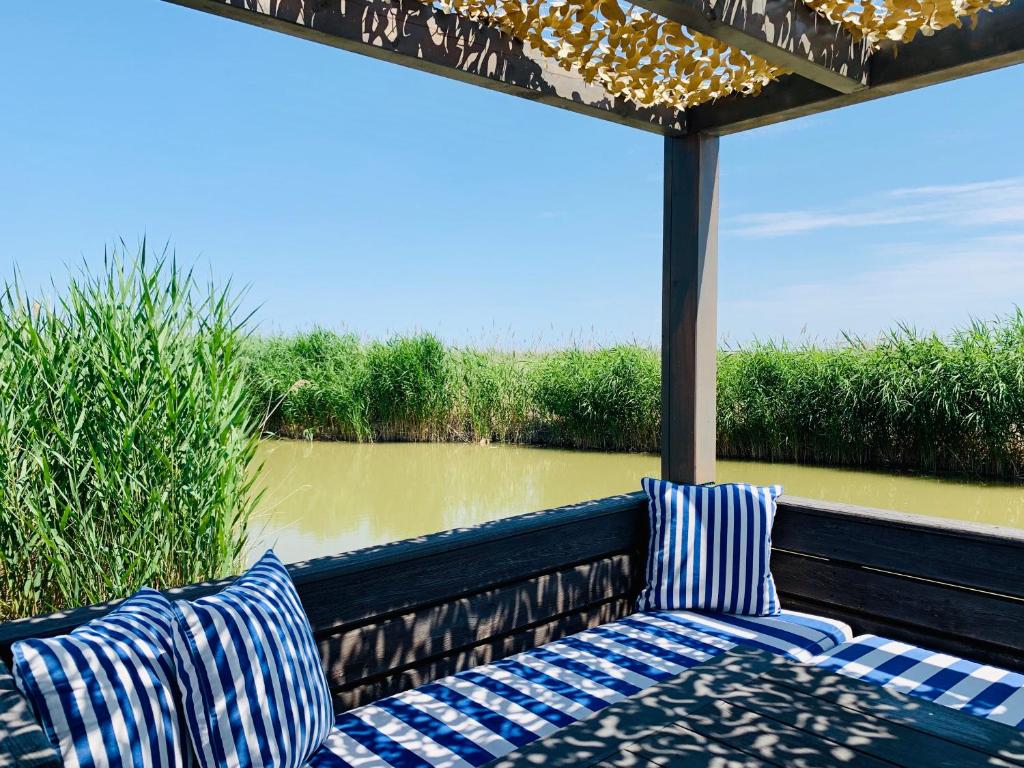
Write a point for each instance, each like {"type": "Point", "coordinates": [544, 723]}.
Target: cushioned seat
{"type": "Point", "coordinates": [981, 690]}
{"type": "Point", "coordinates": [478, 715]}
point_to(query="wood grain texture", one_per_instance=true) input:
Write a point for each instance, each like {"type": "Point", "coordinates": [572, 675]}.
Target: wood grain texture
{"type": "Point", "coordinates": [996, 41]}
{"type": "Point", "coordinates": [392, 645]}
{"type": "Point", "coordinates": [752, 708]}
{"type": "Point", "coordinates": [977, 733]}
{"type": "Point", "coordinates": [863, 725]}
{"type": "Point", "coordinates": [983, 557]}
{"type": "Point", "coordinates": [689, 310]}
{"type": "Point", "coordinates": [931, 614]}
{"type": "Point", "coordinates": [491, 650]}
{"type": "Point", "coordinates": [787, 34]}
{"type": "Point", "coordinates": [414, 35]}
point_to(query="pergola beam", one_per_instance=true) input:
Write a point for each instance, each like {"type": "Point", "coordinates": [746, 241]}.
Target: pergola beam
{"type": "Point", "coordinates": [415, 35]}
{"type": "Point", "coordinates": [995, 41]}
{"type": "Point", "coordinates": [786, 33]}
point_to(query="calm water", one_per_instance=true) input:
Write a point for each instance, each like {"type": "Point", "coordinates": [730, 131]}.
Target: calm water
{"type": "Point", "coordinates": [324, 498]}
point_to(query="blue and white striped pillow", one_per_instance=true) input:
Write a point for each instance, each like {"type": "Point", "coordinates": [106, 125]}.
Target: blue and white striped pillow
{"type": "Point", "coordinates": [255, 693]}
{"type": "Point", "coordinates": [105, 694]}
{"type": "Point", "coordinates": [710, 549]}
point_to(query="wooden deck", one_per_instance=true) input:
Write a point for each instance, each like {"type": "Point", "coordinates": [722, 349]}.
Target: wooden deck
{"type": "Point", "coordinates": [750, 708]}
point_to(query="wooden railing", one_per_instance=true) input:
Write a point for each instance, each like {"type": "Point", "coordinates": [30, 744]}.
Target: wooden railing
{"type": "Point", "coordinates": [943, 584]}
{"type": "Point", "coordinates": [397, 616]}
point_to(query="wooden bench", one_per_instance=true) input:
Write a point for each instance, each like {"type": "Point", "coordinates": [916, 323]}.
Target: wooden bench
{"type": "Point", "coordinates": [393, 617]}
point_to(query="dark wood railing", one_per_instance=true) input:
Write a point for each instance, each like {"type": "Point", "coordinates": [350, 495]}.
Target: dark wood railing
{"type": "Point", "coordinates": [394, 617]}
{"type": "Point", "coordinates": [943, 584]}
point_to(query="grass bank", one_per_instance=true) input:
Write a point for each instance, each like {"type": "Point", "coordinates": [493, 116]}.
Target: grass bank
{"type": "Point", "coordinates": [909, 401]}
{"type": "Point", "coordinates": [126, 436]}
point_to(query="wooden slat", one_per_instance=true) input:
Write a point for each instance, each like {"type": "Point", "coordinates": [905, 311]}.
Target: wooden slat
{"type": "Point", "coordinates": [785, 33]}
{"type": "Point", "coordinates": [680, 747]}
{"type": "Point", "coordinates": [984, 557]}
{"type": "Point", "coordinates": [938, 611]}
{"type": "Point", "coordinates": [414, 35]}
{"type": "Point", "coordinates": [861, 730]}
{"type": "Point", "coordinates": [980, 734]}
{"type": "Point", "coordinates": [441, 630]}
{"type": "Point", "coordinates": [491, 650]}
{"type": "Point", "coordinates": [689, 310]}
{"type": "Point", "coordinates": [996, 41]}
{"type": "Point", "coordinates": [774, 741]}
{"type": "Point", "coordinates": [372, 584]}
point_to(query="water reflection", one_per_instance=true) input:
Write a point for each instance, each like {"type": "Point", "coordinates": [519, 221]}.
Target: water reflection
{"type": "Point", "coordinates": [323, 498]}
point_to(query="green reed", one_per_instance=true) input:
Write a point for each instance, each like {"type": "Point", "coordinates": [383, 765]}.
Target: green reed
{"type": "Point", "coordinates": [909, 401]}
{"type": "Point", "coordinates": [126, 436]}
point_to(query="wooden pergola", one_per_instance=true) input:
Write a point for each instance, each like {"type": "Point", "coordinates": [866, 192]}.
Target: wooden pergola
{"type": "Point", "coordinates": [392, 618]}
{"type": "Point", "coordinates": [818, 64]}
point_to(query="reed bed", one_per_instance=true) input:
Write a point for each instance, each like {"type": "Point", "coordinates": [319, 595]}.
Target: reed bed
{"type": "Point", "coordinates": [911, 401]}
{"type": "Point", "coordinates": [126, 437]}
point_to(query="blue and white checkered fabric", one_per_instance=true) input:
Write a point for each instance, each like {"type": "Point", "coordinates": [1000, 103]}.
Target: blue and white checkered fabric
{"type": "Point", "coordinates": [981, 690]}
{"type": "Point", "coordinates": [482, 714]}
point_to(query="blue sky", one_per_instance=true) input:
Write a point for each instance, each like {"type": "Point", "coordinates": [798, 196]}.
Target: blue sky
{"type": "Point", "coordinates": [356, 194]}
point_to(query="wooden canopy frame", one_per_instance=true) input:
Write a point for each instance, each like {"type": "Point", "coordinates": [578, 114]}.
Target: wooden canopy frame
{"type": "Point", "coordinates": [827, 66]}
{"type": "Point", "coordinates": [389, 618]}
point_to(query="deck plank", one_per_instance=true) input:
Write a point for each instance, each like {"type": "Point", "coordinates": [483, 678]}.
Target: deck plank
{"type": "Point", "coordinates": [859, 729]}
{"type": "Point", "coordinates": [679, 747]}
{"type": "Point", "coordinates": [929, 718]}
{"type": "Point", "coordinates": [773, 741]}
{"type": "Point", "coordinates": [749, 708]}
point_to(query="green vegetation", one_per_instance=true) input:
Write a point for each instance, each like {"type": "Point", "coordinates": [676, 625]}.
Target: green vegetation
{"type": "Point", "coordinates": [131, 409]}
{"type": "Point", "coordinates": [910, 401]}
{"type": "Point", "coordinates": [330, 386]}
{"type": "Point", "coordinates": [126, 434]}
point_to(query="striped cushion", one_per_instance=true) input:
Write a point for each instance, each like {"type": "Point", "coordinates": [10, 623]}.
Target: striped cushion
{"type": "Point", "coordinates": [710, 548]}
{"type": "Point", "coordinates": [481, 714]}
{"type": "Point", "coordinates": [981, 690]}
{"type": "Point", "coordinates": [254, 691]}
{"type": "Point", "coordinates": [105, 694]}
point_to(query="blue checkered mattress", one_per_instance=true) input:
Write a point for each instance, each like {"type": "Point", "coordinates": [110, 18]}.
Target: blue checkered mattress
{"type": "Point", "coordinates": [483, 713]}
{"type": "Point", "coordinates": [989, 692]}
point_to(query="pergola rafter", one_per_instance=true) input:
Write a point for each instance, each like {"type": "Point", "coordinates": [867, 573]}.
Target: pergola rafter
{"type": "Point", "coordinates": [415, 35]}
{"type": "Point", "coordinates": [994, 41]}
{"type": "Point", "coordinates": [786, 33]}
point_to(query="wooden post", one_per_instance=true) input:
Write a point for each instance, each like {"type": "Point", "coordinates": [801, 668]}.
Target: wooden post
{"type": "Point", "coordinates": [689, 307]}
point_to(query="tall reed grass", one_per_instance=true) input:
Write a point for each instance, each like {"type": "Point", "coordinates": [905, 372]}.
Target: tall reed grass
{"type": "Point", "coordinates": [909, 401]}
{"type": "Point", "coordinates": [126, 436]}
